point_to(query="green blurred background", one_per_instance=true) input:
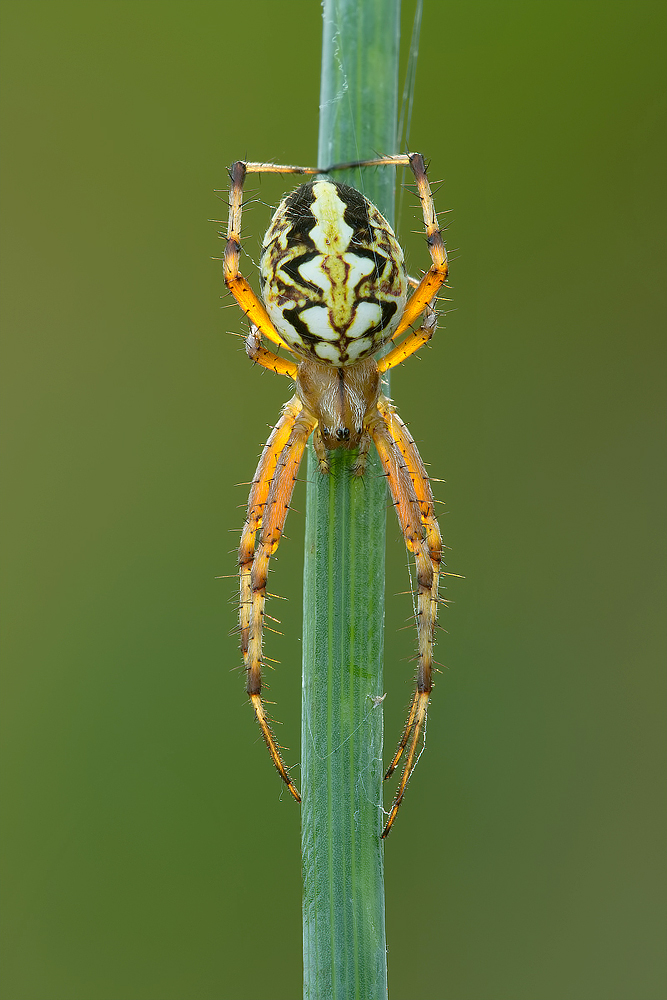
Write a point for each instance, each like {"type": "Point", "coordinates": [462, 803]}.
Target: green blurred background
{"type": "Point", "coordinates": [149, 851]}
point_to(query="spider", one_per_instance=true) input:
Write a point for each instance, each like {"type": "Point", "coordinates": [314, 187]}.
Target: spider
{"type": "Point", "coordinates": [335, 291]}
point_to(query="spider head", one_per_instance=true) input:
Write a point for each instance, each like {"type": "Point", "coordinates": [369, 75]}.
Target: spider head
{"type": "Point", "coordinates": [340, 398]}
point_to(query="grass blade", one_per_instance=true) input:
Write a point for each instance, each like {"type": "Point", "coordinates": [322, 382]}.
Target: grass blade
{"type": "Point", "coordinates": [341, 745]}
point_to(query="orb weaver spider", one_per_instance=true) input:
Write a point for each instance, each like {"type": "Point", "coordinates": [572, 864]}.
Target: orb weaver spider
{"type": "Point", "coordinates": [334, 286]}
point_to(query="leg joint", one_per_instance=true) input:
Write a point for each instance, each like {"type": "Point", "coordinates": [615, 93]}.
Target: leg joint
{"type": "Point", "coordinates": [237, 172]}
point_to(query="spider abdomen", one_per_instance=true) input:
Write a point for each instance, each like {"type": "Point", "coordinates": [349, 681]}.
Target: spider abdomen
{"type": "Point", "coordinates": [332, 274]}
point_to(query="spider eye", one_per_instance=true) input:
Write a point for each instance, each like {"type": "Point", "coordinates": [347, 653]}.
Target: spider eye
{"type": "Point", "coordinates": [343, 433]}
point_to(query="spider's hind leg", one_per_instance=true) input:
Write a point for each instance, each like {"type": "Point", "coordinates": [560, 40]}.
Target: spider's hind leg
{"type": "Point", "coordinates": [411, 492]}
{"type": "Point", "coordinates": [267, 510]}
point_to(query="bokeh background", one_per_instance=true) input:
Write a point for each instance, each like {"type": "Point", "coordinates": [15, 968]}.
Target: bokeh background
{"type": "Point", "coordinates": [149, 851]}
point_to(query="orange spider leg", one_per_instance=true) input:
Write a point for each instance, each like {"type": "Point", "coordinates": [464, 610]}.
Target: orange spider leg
{"type": "Point", "coordinates": [412, 343]}
{"type": "Point", "coordinates": [405, 735]}
{"type": "Point", "coordinates": [281, 479]}
{"type": "Point", "coordinates": [267, 359]}
{"type": "Point", "coordinates": [419, 718]}
{"type": "Point", "coordinates": [422, 487]}
{"type": "Point", "coordinates": [411, 493]}
{"type": "Point", "coordinates": [436, 275]}
{"type": "Point", "coordinates": [261, 485]}
{"type": "Point", "coordinates": [234, 280]}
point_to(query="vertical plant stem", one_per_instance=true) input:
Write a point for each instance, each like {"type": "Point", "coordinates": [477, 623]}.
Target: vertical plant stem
{"type": "Point", "coordinates": [341, 739]}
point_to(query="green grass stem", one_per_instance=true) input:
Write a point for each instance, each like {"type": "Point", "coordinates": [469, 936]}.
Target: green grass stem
{"type": "Point", "coordinates": [341, 745]}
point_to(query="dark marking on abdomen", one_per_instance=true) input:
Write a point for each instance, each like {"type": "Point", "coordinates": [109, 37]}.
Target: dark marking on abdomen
{"type": "Point", "coordinates": [291, 269]}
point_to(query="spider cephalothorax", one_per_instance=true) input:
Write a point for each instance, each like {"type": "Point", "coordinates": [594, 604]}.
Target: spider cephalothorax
{"type": "Point", "coordinates": [335, 288]}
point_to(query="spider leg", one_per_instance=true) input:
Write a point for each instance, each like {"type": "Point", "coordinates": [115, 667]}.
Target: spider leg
{"type": "Point", "coordinates": [277, 168]}
{"type": "Point", "coordinates": [261, 485]}
{"type": "Point", "coordinates": [411, 493]}
{"type": "Point", "coordinates": [268, 506]}
{"type": "Point", "coordinates": [436, 275]}
{"type": "Point", "coordinates": [320, 451]}
{"type": "Point", "coordinates": [412, 343]}
{"type": "Point", "coordinates": [267, 359]}
{"type": "Point", "coordinates": [234, 280]}
{"type": "Point", "coordinates": [359, 467]}
{"type": "Point", "coordinates": [422, 487]}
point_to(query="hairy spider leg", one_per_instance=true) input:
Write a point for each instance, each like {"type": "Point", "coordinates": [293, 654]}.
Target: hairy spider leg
{"type": "Point", "coordinates": [236, 283]}
{"type": "Point", "coordinates": [267, 509]}
{"type": "Point", "coordinates": [259, 492]}
{"type": "Point", "coordinates": [273, 521]}
{"type": "Point", "coordinates": [267, 359]}
{"type": "Point", "coordinates": [422, 487]}
{"type": "Point", "coordinates": [411, 493]}
{"type": "Point", "coordinates": [412, 343]}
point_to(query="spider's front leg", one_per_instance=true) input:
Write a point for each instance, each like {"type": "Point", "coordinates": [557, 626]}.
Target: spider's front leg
{"type": "Point", "coordinates": [411, 492]}
{"type": "Point", "coordinates": [414, 340]}
{"type": "Point", "coordinates": [267, 510]}
{"type": "Point", "coordinates": [236, 283]}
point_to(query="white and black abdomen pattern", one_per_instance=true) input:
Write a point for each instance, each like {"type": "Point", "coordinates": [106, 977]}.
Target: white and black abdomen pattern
{"type": "Point", "coordinates": [332, 273]}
